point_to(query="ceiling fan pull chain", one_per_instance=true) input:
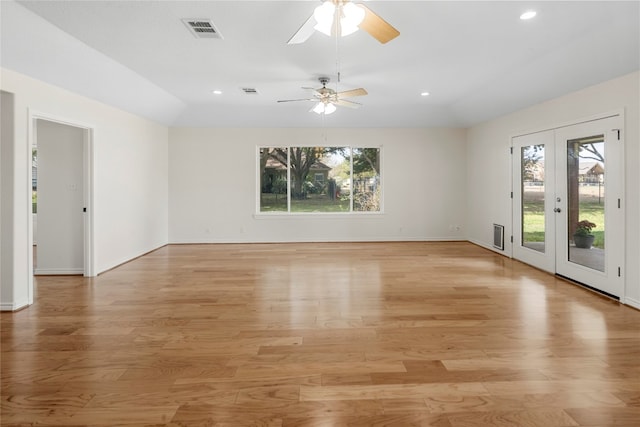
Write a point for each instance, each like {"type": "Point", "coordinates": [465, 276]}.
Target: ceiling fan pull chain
{"type": "Point", "coordinates": [337, 61]}
{"type": "Point", "coordinates": [324, 129]}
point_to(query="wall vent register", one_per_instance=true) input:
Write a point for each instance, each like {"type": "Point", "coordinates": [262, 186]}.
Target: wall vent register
{"type": "Point", "coordinates": [498, 236]}
{"type": "Point", "coordinates": [202, 28]}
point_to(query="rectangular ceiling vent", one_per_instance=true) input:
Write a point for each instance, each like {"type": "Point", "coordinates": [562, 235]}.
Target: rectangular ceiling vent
{"type": "Point", "coordinates": [202, 28]}
{"type": "Point", "coordinates": [250, 90]}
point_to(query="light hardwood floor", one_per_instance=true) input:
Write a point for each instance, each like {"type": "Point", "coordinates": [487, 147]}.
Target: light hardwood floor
{"type": "Point", "coordinates": [334, 334]}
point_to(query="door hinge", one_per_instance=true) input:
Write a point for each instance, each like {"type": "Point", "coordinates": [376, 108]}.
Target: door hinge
{"type": "Point", "coordinates": [619, 272]}
{"type": "Point", "coordinates": [511, 150]}
{"type": "Point", "coordinates": [618, 132]}
{"type": "Point", "coordinates": [512, 194]}
{"type": "Point", "coordinates": [511, 239]}
{"type": "Point", "coordinates": [618, 203]}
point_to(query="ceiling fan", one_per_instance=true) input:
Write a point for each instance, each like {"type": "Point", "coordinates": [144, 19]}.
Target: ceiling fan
{"type": "Point", "coordinates": [326, 98]}
{"type": "Point", "coordinates": [344, 17]}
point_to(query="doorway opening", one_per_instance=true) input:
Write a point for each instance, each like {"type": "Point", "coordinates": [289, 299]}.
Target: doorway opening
{"type": "Point", "coordinates": [61, 232]}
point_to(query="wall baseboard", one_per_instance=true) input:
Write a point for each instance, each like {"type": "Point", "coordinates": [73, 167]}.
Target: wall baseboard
{"type": "Point", "coordinates": [489, 247]}
{"type": "Point", "coordinates": [624, 300]}
{"type": "Point", "coordinates": [13, 306]}
{"type": "Point", "coordinates": [351, 240]}
{"type": "Point", "coordinates": [631, 302]}
{"type": "Point", "coordinates": [58, 271]}
{"type": "Point", "coordinates": [127, 260]}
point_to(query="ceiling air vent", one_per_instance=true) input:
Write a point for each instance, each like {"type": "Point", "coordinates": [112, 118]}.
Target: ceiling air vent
{"type": "Point", "coordinates": [202, 28]}
{"type": "Point", "coordinates": [250, 90]}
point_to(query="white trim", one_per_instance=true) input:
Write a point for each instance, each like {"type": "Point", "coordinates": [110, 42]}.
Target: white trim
{"type": "Point", "coordinates": [32, 137]}
{"type": "Point", "coordinates": [317, 240]}
{"type": "Point", "coordinates": [58, 271]}
{"type": "Point", "coordinates": [288, 212]}
{"type": "Point", "coordinates": [88, 177]}
{"type": "Point", "coordinates": [618, 113]}
{"type": "Point", "coordinates": [317, 215]}
{"type": "Point", "coordinates": [553, 127]}
{"type": "Point", "coordinates": [7, 306]}
{"type": "Point", "coordinates": [127, 259]}
{"type": "Point", "coordinates": [485, 246]}
{"type": "Point", "coordinates": [88, 167]}
{"type": "Point", "coordinates": [631, 302]}
{"type": "Point", "coordinates": [567, 123]}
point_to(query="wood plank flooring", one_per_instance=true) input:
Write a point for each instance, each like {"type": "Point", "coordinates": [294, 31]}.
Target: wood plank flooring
{"type": "Point", "coordinates": [320, 334]}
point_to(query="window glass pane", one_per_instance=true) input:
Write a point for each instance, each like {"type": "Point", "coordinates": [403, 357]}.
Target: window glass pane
{"type": "Point", "coordinates": [313, 179]}
{"type": "Point", "coordinates": [318, 179]}
{"type": "Point", "coordinates": [273, 179]}
{"type": "Point", "coordinates": [585, 194]}
{"type": "Point", "coordinates": [533, 217]}
{"type": "Point", "coordinates": [366, 179]}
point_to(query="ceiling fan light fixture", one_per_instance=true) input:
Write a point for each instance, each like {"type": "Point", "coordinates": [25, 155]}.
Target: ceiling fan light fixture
{"type": "Point", "coordinates": [352, 16]}
{"type": "Point", "coordinates": [324, 108]}
{"type": "Point", "coordinates": [323, 15]}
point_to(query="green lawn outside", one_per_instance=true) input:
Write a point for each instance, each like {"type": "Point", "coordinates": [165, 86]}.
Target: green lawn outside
{"type": "Point", "coordinates": [313, 203]}
{"type": "Point", "coordinates": [270, 202]}
{"type": "Point", "coordinates": [533, 221]}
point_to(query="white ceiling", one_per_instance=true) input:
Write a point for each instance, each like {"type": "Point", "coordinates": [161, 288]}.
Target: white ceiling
{"type": "Point", "coordinates": [477, 59]}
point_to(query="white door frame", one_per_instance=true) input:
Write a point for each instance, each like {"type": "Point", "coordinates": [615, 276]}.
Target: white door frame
{"type": "Point", "coordinates": [88, 179]}
{"type": "Point", "coordinates": [544, 262]}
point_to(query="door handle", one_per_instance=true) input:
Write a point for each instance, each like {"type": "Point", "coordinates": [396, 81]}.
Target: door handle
{"type": "Point", "coordinates": [557, 210]}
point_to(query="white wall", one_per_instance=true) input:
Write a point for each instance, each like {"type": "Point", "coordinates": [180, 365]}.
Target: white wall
{"type": "Point", "coordinates": [206, 192]}
{"type": "Point", "coordinates": [60, 198]}
{"type": "Point", "coordinates": [130, 169]}
{"type": "Point", "coordinates": [213, 185]}
{"type": "Point", "coordinates": [7, 292]}
{"type": "Point", "coordinates": [488, 162]}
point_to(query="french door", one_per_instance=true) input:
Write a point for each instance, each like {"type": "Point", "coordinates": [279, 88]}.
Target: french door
{"type": "Point", "coordinates": [564, 179]}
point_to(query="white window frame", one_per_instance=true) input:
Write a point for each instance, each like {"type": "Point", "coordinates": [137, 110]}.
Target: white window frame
{"type": "Point", "coordinates": [288, 213]}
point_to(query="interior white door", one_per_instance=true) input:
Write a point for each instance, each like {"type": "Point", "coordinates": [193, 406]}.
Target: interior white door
{"type": "Point", "coordinates": [561, 178]}
{"type": "Point", "coordinates": [60, 247]}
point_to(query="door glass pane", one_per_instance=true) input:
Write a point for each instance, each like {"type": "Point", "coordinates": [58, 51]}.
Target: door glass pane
{"type": "Point", "coordinates": [585, 201]}
{"type": "Point", "coordinates": [533, 218]}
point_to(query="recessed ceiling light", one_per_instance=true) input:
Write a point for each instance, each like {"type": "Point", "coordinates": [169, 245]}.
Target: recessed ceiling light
{"type": "Point", "coordinates": [528, 15]}
{"type": "Point", "coordinates": [424, 94]}
{"type": "Point", "coordinates": [217, 92]}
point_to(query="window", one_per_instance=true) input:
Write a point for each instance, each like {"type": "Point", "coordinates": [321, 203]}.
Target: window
{"type": "Point", "coordinates": [319, 179]}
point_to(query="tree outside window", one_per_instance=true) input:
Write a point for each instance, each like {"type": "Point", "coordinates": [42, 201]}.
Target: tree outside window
{"type": "Point", "coordinates": [319, 179]}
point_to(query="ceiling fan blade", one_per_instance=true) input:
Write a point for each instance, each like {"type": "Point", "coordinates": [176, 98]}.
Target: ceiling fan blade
{"type": "Point", "coordinates": [314, 90]}
{"type": "Point", "coordinates": [377, 27]}
{"type": "Point", "coordinates": [304, 32]}
{"type": "Point", "coordinates": [296, 100]}
{"type": "Point", "coordinates": [345, 103]}
{"type": "Point", "coordinates": [352, 93]}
